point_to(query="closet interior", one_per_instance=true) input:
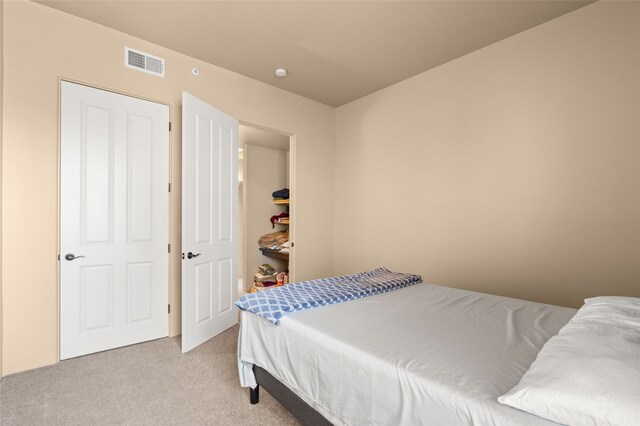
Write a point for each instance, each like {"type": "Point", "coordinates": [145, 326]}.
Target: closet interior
{"type": "Point", "coordinates": [264, 209]}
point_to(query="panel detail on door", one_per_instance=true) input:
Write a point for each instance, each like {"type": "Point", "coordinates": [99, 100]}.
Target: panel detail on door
{"type": "Point", "coordinates": [96, 306]}
{"type": "Point", "coordinates": [225, 274]}
{"type": "Point", "coordinates": [203, 292]}
{"type": "Point", "coordinates": [140, 178]}
{"type": "Point", "coordinates": [139, 294]}
{"type": "Point", "coordinates": [97, 169]}
{"type": "Point", "coordinates": [204, 187]}
{"type": "Point", "coordinates": [225, 179]}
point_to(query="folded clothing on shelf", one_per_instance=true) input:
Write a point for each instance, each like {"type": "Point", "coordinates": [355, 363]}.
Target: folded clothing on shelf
{"type": "Point", "coordinates": [277, 218]}
{"type": "Point", "coordinates": [259, 278]}
{"type": "Point", "coordinates": [266, 269]}
{"type": "Point", "coordinates": [282, 194]}
{"type": "Point", "coordinates": [274, 238]}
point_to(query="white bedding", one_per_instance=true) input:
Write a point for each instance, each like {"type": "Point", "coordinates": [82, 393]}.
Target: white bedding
{"type": "Point", "coordinates": [421, 355]}
{"type": "Point", "coordinates": [589, 374]}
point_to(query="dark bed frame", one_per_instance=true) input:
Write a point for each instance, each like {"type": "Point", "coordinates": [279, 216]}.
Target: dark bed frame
{"type": "Point", "coordinates": [285, 396]}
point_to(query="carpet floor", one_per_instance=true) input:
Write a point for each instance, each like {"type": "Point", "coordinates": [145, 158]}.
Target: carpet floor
{"type": "Point", "coordinates": [151, 383]}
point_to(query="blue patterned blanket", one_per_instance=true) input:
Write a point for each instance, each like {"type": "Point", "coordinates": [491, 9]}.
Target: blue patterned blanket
{"type": "Point", "coordinates": [273, 304]}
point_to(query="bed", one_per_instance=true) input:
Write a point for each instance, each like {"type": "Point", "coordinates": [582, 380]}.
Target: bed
{"type": "Point", "coordinates": [423, 354]}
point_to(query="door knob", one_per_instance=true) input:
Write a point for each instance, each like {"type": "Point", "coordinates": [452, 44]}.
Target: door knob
{"type": "Point", "coordinates": [71, 256]}
{"type": "Point", "coordinates": [191, 255]}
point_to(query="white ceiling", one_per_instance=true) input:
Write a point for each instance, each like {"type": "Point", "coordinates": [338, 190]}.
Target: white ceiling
{"type": "Point", "coordinates": [335, 51]}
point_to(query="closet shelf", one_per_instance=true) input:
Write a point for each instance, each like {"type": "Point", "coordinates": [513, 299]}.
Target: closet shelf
{"type": "Point", "coordinates": [274, 253]}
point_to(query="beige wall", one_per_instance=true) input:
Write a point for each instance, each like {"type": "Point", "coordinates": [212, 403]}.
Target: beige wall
{"type": "Point", "coordinates": [41, 46]}
{"type": "Point", "coordinates": [512, 170]}
{"type": "Point", "coordinates": [265, 172]}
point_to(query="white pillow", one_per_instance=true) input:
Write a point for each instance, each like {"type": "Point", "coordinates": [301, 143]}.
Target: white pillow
{"type": "Point", "coordinates": [589, 374]}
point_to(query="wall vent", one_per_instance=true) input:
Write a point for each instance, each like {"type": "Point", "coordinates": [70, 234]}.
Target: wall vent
{"type": "Point", "coordinates": [143, 62]}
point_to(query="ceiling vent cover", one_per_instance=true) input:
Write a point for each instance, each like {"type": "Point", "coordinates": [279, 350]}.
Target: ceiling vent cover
{"type": "Point", "coordinates": [143, 62]}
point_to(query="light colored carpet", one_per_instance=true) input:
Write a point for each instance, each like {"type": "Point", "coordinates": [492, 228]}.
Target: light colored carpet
{"type": "Point", "coordinates": [144, 384]}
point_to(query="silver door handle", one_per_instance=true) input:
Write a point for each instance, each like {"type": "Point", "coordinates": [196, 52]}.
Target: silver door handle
{"type": "Point", "coordinates": [71, 256]}
{"type": "Point", "coordinates": [191, 255]}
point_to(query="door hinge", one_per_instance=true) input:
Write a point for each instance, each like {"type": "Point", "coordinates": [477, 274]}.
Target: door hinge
{"type": "Point", "coordinates": [168, 248]}
{"type": "Point", "coordinates": [169, 186]}
{"type": "Point", "coordinates": [169, 126]}
{"type": "Point", "coordinates": [168, 309]}
{"type": "Point", "coordinates": [58, 257]}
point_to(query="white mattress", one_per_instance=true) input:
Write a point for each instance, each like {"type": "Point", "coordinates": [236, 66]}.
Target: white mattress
{"type": "Point", "coordinates": [421, 355]}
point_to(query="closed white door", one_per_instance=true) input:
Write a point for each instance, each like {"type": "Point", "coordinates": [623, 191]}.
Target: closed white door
{"type": "Point", "coordinates": [209, 231]}
{"type": "Point", "coordinates": [114, 174]}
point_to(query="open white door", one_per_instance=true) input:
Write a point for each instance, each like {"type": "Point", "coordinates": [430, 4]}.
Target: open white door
{"type": "Point", "coordinates": [209, 223]}
{"type": "Point", "coordinates": [114, 228]}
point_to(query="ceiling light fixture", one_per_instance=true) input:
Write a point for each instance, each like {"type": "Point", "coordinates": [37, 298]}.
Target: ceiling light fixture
{"type": "Point", "coordinates": [281, 72]}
